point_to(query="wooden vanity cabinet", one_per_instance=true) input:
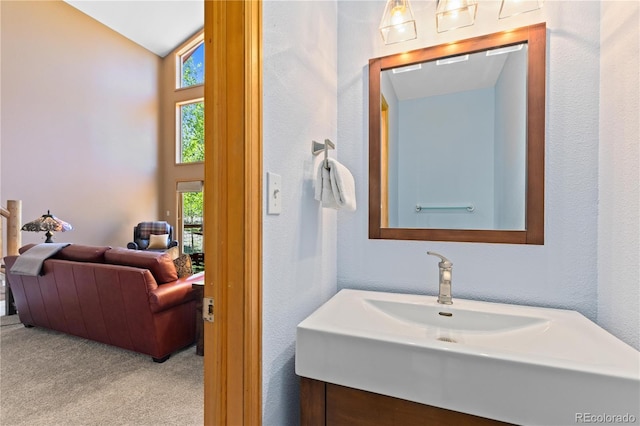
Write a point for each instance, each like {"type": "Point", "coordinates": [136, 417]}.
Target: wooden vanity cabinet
{"type": "Point", "coordinates": [323, 403]}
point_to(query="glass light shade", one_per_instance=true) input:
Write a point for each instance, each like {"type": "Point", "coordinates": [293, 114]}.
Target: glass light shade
{"type": "Point", "coordinates": [397, 22]}
{"type": "Point", "coordinates": [515, 7]}
{"type": "Point", "coordinates": [452, 14]}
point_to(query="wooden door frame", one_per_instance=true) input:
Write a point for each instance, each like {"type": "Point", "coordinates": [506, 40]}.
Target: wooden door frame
{"type": "Point", "coordinates": [233, 212]}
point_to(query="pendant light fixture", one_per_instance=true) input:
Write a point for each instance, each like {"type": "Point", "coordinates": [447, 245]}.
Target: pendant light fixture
{"type": "Point", "coordinates": [398, 23]}
{"type": "Point", "coordinates": [516, 7]}
{"type": "Point", "coordinates": [452, 14]}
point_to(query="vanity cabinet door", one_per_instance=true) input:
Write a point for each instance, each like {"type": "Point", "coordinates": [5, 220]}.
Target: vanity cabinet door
{"type": "Point", "coordinates": [332, 405]}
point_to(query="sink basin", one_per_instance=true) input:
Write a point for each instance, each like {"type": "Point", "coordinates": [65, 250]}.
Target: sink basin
{"type": "Point", "coordinates": [518, 364]}
{"type": "Point", "coordinates": [459, 320]}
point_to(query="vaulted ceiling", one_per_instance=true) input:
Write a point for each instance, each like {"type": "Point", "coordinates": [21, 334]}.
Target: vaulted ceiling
{"type": "Point", "coordinates": [157, 25]}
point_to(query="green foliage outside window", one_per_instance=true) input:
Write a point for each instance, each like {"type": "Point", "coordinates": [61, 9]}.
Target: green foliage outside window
{"type": "Point", "coordinates": [192, 148]}
{"type": "Point", "coordinates": [192, 213]}
{"type": "Point", "coordinates": [192, 67]}
{"type": "Point", "coordinates": [192, 207]}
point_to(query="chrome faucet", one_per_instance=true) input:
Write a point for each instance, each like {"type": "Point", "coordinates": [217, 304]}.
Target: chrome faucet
{"type": "Point", "coordinates": [444, 293]}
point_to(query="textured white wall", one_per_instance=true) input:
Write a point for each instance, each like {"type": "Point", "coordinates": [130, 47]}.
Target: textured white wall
{"type": "Point", "coordinates": [562, 273]}
{"type": "Point", "coordinates": [299, 245]}
{"type": "Point", "coordinates": [619, 226]}
{"type": "Point", "coordinates": [79, 123]}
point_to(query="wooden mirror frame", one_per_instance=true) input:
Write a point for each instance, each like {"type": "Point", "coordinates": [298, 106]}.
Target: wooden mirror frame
{"type": "Point", "coordinates": [535, 37]}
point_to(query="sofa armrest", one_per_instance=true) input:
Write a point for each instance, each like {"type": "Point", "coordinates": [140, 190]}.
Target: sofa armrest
{"type": "Point", "coordinates": [173, 293]}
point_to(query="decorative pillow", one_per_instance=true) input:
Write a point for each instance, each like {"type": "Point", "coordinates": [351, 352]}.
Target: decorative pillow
{"type": "Point", "coordinates": [173, 252]}
{"type": "Point", "coordinates": [158, 241]}
{"type": "Point", "coordinates": [183, 266]}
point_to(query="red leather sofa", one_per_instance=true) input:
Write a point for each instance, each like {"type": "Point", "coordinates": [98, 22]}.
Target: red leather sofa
{"type": "Point", "coordinates": [126, 298]}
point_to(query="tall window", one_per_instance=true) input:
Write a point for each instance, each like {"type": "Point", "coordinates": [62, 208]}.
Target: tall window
{"type": "Point", "coordinates": [190, 113]}
{"type": "Point", "coordinates": [191, 65]}
{"type": "Point", "coordinates": [190, 117]}
{"type": "Point", "coordinates": [190, 220]}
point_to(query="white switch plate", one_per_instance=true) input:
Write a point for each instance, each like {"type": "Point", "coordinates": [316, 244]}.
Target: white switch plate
{"type": "Point", "coordinates": [274, 193]}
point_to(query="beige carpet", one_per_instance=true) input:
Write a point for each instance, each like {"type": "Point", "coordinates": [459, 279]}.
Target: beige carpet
{"type": "Point", "coordinates": [49, 378]}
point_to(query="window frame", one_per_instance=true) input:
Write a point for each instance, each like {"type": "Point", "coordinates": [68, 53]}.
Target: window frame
{"type": "Point", "coordinates": [190, 46]}
{"type": "Point", "coordinates": [182, 187]}
{"type": "Point", "coordinates": [178, 130]}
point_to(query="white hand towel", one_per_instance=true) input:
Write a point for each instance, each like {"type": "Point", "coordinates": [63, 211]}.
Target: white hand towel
{"type": "Point", "coordinates": [335, 186]}
{"type": "Point", "coordinates": [324, 191]}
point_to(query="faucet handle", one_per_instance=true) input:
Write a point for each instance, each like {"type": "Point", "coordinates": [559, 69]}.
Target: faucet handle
{"type": "Point", "coordinates": [445, 263]}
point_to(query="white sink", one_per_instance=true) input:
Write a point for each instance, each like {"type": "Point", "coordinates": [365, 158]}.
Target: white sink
{"type": "Point", "coordinates": [442, 317]}
{"type": "Point", "coordinates": [517, 364]}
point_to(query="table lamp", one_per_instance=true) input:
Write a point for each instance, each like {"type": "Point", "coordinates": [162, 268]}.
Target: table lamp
{"type": "Point", "coordinates": [47, 222]}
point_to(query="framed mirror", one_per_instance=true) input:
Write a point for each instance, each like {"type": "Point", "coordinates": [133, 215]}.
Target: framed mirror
{"type": "Point", "coordinates": [456, 140]}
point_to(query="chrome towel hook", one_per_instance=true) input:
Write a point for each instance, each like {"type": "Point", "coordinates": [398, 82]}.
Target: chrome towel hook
{"type": "Point", "coordinates": [317, 148]}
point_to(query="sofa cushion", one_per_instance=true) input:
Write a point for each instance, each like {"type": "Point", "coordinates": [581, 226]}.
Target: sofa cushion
{"type": "Point", "coordinates": [160, 264]}
{"type": "Point", "coordinates": [25, 248]}
{"type": "Point", "coordinates": [76, 252]}
{"type": "Point", "coordinates": [80, 253]}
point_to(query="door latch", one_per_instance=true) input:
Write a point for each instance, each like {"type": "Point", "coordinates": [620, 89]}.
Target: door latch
{"type": "Point", "coordinates": [207, 309]}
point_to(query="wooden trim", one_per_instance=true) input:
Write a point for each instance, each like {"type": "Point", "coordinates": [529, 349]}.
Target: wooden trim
{"type": "Point", "coordinates": [374, 148]}
{"type": "Point", "coordinates": [535, 36]}
{"type": "Point", "coordinates": [536, 101]}
{"type": "Point", "coordinates": [253, 219]}
{"type": "Point", "coordinates": [233, 212]}
{"type": "Point", "coordinates": [471, 45]}
{"type": "Point", "coordinates": [471, 235]}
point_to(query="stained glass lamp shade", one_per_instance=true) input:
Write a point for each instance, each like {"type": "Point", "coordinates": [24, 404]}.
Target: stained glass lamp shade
{"type": "Point", "coordinates": [47, 223]}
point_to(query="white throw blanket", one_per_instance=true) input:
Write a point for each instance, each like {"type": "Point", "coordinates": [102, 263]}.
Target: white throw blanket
{"type": "Point", "coordinates": [335, 187]}
{"type": "Point", "coordinates": [30, 262]}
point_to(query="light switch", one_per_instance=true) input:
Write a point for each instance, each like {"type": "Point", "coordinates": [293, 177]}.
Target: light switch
{"type": "Point", "coordinates": [274, 193]}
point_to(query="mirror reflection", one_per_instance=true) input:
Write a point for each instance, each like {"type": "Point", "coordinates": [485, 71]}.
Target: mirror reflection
{"type": "Point", "coordinates": [455, 132]}
{"type": "Point", "coordinates": [456, 140]}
